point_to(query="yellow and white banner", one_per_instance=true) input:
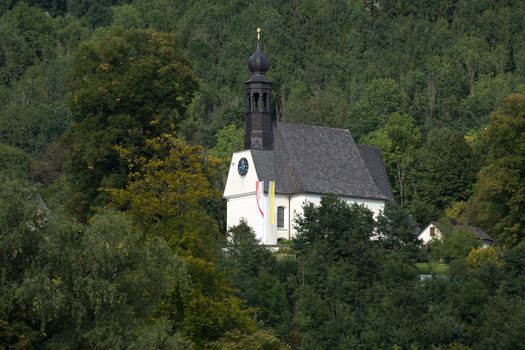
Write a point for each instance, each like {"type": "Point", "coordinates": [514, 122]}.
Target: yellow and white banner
{"type": "Point", "coordinates": [271, 195]}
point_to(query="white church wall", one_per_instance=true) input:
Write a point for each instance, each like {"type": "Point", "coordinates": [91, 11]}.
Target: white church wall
{"type": "Point", "coordinates": [240, 185]}
{"type": "Point", "coordinates": [242, 204]}
{"type": "Point", "coordinates": [282, 232]}
{"type": "Point", "coordinates": [240, 195]}
{"type": "Point", "coordinates": [245, 207]}
{"type": "Point", "coordinates": [297, 202]}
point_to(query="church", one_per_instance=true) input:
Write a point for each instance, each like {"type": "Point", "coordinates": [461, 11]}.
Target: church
{"type": "Point", "coordinates": [284, 165]}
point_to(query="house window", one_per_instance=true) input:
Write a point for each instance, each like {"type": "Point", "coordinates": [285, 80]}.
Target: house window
{"type": "Point", "coordinates": [432, 231]}
{"type": "Point", "coordinates": [280, 217]}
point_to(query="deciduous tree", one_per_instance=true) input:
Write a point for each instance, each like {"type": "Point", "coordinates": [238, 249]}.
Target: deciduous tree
{"type": "Point", "coordinates": [398, 140]}
{"type": "Point", "coordinates": [166, 197]}
{"type": "Point", "coordinates": [444, 172]}
{"type": "Point", "coordinates": [66, 285]}
{"type": "Point", "coordinates": [498, 202]}
{"type": "Point", "coordinates": [129, 86]}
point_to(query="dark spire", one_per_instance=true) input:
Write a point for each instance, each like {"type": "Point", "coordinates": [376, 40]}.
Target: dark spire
{"type": "Point", "coordinates": [258, 63]}
{"type": "Point", "coordinates": [258, 132]}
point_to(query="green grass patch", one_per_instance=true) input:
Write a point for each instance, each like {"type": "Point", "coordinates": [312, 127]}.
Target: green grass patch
{"type": "Point", "coordinates": [432, 268]}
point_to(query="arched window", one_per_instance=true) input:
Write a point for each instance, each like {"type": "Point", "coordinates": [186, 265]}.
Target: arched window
{"type": "Point", "coordinates": [255, 102]}
{"type": "Point", "coordinates": [280, 217]}
{"type": "Point", "coordinates": [265, 103]}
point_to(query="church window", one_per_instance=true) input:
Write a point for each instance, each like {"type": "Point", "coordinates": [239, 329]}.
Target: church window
{"type": "Point", "coordinates": [265, 103]}
{"type": "Point", "coordinates": [280, 217]}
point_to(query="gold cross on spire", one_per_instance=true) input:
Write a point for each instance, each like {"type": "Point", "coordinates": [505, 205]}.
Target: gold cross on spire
{"type": "Point", "coordinates": [258, 33]}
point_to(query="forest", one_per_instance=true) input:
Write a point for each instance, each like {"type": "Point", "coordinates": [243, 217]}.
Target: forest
{"type": "Point", "coordinates": [117, 122]}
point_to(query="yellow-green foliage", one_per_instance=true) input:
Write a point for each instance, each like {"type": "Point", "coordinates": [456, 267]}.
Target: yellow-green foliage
{"type": "Point", "coordinates": [166, 196]}
{"type": "Point", "coordinates": [456, 210]}
{"type": "Point", "coordinates": [260, 340]}
{"type": "Point", "coordinates": [498, 201]}
{"type": "Point", "coordinates": [481, 256]}
{"type": "Point", "coordinates": [167, 192]}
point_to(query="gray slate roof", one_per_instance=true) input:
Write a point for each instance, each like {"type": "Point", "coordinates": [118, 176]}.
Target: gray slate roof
{"type": "Point", "coordinates": [313, 159]}
{"type": "Point", "coordinates": [375, 164]}
{"type": "Point", "coordinates": [479, 233]}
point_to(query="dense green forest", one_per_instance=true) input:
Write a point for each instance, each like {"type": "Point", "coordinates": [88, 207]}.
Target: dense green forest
{"type": "Point", "coordinates": [117, 120]}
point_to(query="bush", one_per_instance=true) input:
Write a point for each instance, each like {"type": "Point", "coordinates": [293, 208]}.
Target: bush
{"type": "Point", "coordinates": [481, 256]}
{"type": "Point", "coordinates": [14, 161]}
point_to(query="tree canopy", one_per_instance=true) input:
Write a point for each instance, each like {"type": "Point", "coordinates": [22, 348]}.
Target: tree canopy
{"type": "Point", "coordinates": [117, 123]}
{"type": "Point", "coordinates": [128, 86]}
{"type": "Point", "coordinates": [498, 201]}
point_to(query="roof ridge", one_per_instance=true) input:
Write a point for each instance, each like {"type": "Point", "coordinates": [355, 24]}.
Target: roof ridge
{"type": "Point", "coordinates": [315, 126]}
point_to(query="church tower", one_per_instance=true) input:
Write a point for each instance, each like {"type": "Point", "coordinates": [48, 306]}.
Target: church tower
{"type": "Point", "coordinates": [258, 130]}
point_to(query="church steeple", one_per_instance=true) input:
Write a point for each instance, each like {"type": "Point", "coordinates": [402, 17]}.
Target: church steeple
{"type": "Point", "coordinates": [258, 131]}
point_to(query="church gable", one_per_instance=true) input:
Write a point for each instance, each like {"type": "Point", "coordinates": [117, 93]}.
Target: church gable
{"type": "Point", "coordinates": [239, 183]}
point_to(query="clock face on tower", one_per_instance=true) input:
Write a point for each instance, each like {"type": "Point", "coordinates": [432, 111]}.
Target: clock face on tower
{"type": "Point", "coordinates": [243, 166]}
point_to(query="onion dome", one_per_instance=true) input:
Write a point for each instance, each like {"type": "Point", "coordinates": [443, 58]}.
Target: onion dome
{"type": "Point", "coordinates": [258, 63]}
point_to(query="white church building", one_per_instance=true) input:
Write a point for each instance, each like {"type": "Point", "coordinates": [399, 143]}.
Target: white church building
{"type": "Point", "coordinates": [304, 161]}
